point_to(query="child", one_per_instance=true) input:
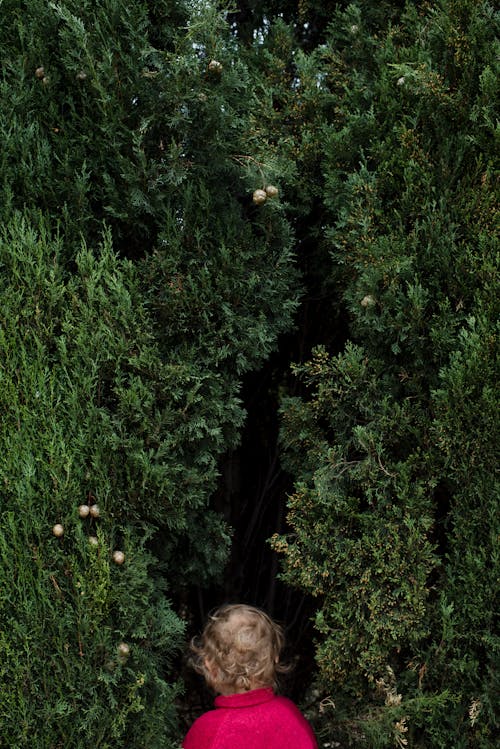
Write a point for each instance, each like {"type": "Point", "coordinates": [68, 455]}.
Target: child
{"type": "Point", "coordinates": [238, 654]}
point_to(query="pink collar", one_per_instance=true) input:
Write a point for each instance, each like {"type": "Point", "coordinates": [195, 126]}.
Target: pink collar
{"type": "Point", "coordinates": [245, 699]}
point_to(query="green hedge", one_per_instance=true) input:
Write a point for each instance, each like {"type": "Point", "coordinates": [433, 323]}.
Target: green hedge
{"type": "Point", "coordinates": [139, 283]}
{"type": "Point", "coordinates": [395, 515]}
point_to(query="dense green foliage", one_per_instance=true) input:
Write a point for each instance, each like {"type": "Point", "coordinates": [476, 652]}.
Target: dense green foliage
{"type": "Point", "coordinates": [66, 607]}
{"type": "Point", "coordinates": [139, 283]}
{"type": "Point", "coordinates": [395, 516]}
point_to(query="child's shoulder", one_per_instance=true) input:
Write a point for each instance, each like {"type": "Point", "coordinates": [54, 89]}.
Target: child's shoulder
{"type": "Point", "coordinates": [292, 720]}
{"type": "Point", "coordinates": [203, 731]}
{"type": "Point", "coordinates": [287, 704]}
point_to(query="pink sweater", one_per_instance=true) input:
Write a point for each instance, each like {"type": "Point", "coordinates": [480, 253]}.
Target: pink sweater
{"type": "Point", "coordinates": [252, 720]}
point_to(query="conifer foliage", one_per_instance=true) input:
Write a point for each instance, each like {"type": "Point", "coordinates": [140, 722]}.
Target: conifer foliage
{"type": "Point", "coordinates": [139, 282]}
{"type": "Point", "coordinates": [159, 161]}
{"type": "Point", "coordinates": [395, 515]}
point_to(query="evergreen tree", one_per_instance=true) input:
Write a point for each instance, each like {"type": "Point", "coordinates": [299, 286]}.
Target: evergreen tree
{"type": "Point", "coordinates": [87, 635]}
{"type": "Point", "coordinates": [139, 282]}
{"type": "Point", "coordinates": [394, 518]}
{"type": "Point", "coordinates": [158, 161]}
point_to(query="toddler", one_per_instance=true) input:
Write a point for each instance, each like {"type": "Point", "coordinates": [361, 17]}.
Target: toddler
{"type": "Point", "coordinates": [239, 656]}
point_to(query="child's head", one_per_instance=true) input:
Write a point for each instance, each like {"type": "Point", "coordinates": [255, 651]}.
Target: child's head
{"type": "Point", "coordinates": [239, 649]}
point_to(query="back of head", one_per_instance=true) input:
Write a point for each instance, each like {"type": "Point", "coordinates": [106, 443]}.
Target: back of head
{"type": "Point", "coordinates": [239, 649]}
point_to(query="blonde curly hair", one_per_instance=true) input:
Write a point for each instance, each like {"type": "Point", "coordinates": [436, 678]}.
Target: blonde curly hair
{"type": "Point", "coordinates": [239, 649]}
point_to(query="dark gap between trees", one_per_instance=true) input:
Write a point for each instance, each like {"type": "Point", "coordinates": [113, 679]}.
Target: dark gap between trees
{"type": "Point", "coordinates": [252, 497]}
